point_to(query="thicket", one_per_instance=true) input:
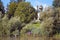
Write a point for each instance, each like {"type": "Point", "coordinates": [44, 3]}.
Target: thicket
{"type": "Point", "coordinates": [19, 17]}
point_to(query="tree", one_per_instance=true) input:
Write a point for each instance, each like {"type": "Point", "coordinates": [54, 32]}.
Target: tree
{"type": "Point", "coordinates": [2, 7]}
{"type": "Point", "coordinates": [56, 3]}
{"type": "Point", "coordinates": [21, 0]}
{"type": "Point", "coordinates": [25, 11]}
{"type": "Point", "coordinates": [47, 18]}
{"type": "Point", "coordinates": [17, 1]}
{"type": "Point", "coordinates": [51, 17]}
{"type": "Point", "coordinates": [11, 9]}
{"type": "Point", "coordinates": [14, 24]}
{"type": "Point", "coordinates": [13, 1]}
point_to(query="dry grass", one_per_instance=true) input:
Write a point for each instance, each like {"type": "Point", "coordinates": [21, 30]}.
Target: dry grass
{"type": "Point", "coordinates": [29, 37]}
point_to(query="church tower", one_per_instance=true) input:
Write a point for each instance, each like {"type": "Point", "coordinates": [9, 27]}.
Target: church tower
{"type": "Point", "coordinates": [39, 10]}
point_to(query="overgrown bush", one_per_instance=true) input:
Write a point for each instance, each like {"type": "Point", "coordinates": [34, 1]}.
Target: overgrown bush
{"type": "Point", "coordinates": [47, 26]}
{"type": "Point", "coordinates": [33, 28]}
{"type": "Point", "coordinates": [56, 37]}
{"type": "Point", "coordinates": [3, 25]}
{"type": "Point", "coordinates": [50, 21]}
{"type": "Point", "coordinates": [14, 24]}
{"type": "Point", "coordinates": [7, 25]}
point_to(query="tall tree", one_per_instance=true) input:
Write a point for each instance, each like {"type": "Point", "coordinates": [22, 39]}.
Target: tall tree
{"type": "Point", "coordinates": [1, 7]}
{"type": "Point", "coordinates": [11, 9]}
{"type": "Point", "coordinates": [17, 1]}
{"type": "Point", "coordinates": [2, 11]}
{"type": "Point", "coordinates": [56, 3]}
{"type": "Point", "coordinates": [13, 1]}
{"type": "Point", "coordinates": [21, 0]}
{"type": "Point", "coordinates": [25, 11]}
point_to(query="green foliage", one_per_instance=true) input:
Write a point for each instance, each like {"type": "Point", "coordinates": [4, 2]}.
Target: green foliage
{"type": "Point", "coordinates": [23, 14]}
{"type": "Point", "coordinates": [11, 8]}
{"type": "Point", "coordinates": [25, 11]}
{"type": "Point", "coordinates": [48, 18]}
{"type": "Point", "coordinates": [16, 32]}
{"type": "Point", "coordinates": [3, 25]}
{"type": "Point", "coordinates": [57, 17]}
{"type": "Point", "coordinates": [14, 22]}
{"type": "Point", "coordinates": [42, 29]}
{"type": "Point", "coordinates": [6, 25]}
{"type": "Point", "coordinates": [17, 1]}
{"type": "Point", "coordinates": [56, 3]}
{"type": "Point", "coordinates": [0, 28]}
{"type": "Point", "coordinates": [47, 14]}
{"type": "Point", "coordinates": [0, 15]}
{"type": "Point", "coordinates": [33, 28]}
{"type": "Point", "coordinates": [57, 36]}
{"type": "Point", "coordinates": [47, 26]}
{"type": "Point", "coordinates": [2, 7]}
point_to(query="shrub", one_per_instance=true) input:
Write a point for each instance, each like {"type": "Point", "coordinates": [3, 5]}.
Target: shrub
{"type": "Point", "coordinates": [14, 24]}
{"type": "Point", "coordinates": [34, 28]}
{"type": "Point", "coordinates": [3, 25]}
{"type": "Point", "coordinates": [47, 26]}
{"type": "Point", "coordinates": [56, 37]}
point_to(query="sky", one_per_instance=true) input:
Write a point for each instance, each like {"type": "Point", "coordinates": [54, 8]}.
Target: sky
{"type": "Point", "coordinates": [34, 3]}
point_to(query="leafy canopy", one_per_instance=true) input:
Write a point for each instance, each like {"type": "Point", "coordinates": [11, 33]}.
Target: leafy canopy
{"type": "Point", "coordinates": [25, 11]}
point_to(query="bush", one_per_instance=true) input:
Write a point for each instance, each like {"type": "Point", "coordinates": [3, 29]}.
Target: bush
{"type": "Point", "coordinates": [33, 28]}
{"type": "Point", "coordinates": [46, 14]}
{"type": "Point", "coordinates": [47, 26]}
{"type": "Point", "coordinates": [56, 37]}
{"type": "Point", "coordinates": [14, 24]}
{"type": "Point", "coordinates": [3, 25]}
{"type": "Point", "coordinates": [7, 25]}
{"type": "Point", "coordinates": [42, 29]}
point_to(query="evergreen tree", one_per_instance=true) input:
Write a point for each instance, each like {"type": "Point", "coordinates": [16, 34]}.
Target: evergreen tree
{"type": "Point", "coordinates": [1, 7]}
{"type": "Point", "coordinates": [56, 3]}
{"type": "Point", "coordinates": [21, 0]}
{"type": "Point", "coordinates": [11, 9]}
{"type": "Point", "coordinates": [13, 1]}
{"type": "Point", "coordinates": [17, 1]}
{"type": "Point", "coordinates": [2, 11]}
{"type": "Point", "coordinates": [25, 11]}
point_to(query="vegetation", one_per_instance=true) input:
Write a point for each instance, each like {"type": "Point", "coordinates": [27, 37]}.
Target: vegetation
{"type": "Point", "coordinates": [25, 11]}
{"type": "Point", "coordinates": [56, 3]}
{"type": "Point", "coordinates": [11, 9]}
{"type": "Point", "coordinates": [32, 28]}
{"type": "Point", "coordinates": [19, 21]}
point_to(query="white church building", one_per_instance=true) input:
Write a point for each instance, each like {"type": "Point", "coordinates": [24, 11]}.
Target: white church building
{"type": "Point", "coordinates": [41, 9]}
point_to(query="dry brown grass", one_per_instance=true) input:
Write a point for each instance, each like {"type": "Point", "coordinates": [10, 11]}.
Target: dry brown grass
{"type": "Point", "coordinates": [30, 37]}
